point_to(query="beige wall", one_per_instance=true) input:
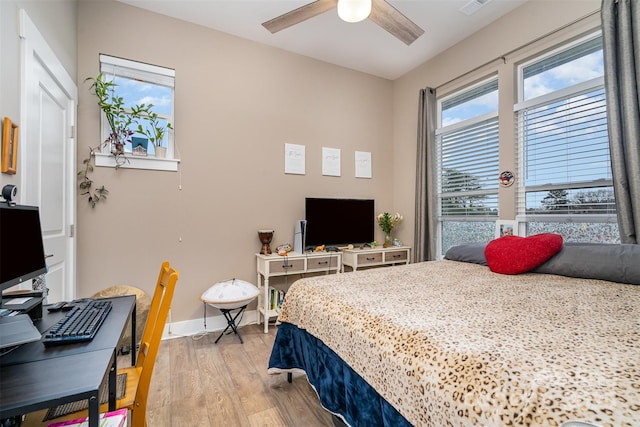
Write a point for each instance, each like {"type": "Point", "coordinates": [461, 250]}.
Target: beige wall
{"type": "Point", "coordinates": [237, 103]}
{"type": "Point", "coordinates": [529, 22]}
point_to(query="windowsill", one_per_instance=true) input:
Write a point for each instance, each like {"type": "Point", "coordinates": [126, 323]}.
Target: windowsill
{"type": "Point", "coordinates": [138, 162]}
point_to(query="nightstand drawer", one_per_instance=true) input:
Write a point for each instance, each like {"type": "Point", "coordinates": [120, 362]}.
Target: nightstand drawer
{"type": "Point", "coordinates": [322, 263]}
{"type": "Point", "coordinates": [285, 265]}
{"type": "Point", "coordinates": [370, 258]}
{"type": "Point", "coordinates": [396, 256]}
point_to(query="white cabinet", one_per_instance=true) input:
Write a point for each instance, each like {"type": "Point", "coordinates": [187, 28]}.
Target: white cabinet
{"type": "Point", "coordinates": [368, 257]}
{"type": "Point", "coordinates": [275, 265]}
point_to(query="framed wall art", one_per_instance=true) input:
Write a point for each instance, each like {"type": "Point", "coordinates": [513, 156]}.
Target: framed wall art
{"type": "Point", "coordinates": [506, 228]}
{"type": "Point", "coordinates": [9, 146]}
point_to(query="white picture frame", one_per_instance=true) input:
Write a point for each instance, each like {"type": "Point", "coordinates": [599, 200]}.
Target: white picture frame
{"type": "Point", "coordinates": [363, 164]}
{"type": "Point", "coordinates": [506, 228]}
{"type": "Point", "coordinates": [294, 159]}
{"type": "Point", "coordinates": [330, 161]}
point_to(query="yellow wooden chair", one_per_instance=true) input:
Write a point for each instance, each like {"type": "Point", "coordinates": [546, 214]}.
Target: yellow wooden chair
{"type": "Point", "coordinates": [139, 376]}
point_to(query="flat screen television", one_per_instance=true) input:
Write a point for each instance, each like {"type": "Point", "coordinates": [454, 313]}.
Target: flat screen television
{"type": "Point", "coordinates": [339, 222]}
{"type": "Point", "coordinates": [21, 247]}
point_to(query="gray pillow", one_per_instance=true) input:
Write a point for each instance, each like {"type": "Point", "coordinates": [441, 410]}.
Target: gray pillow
{"type": "Point", "coordinates": [616, 263]}
{"type": "Point", "coordinates": [470, 252]}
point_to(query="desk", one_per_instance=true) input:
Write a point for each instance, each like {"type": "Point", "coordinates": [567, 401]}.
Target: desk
{"type": "Point", "coordinates": [36, 377]}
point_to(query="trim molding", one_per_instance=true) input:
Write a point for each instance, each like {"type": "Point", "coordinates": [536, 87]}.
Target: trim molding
{"type": "Point", "coordinates": [214, 324]}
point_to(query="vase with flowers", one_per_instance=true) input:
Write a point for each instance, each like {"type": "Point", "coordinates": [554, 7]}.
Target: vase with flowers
{"type": "Point", "coordinates": [387, 223]}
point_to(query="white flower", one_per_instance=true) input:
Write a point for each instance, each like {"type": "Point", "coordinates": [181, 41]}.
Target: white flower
{"type": "Point", "coordinates": [388, 222]}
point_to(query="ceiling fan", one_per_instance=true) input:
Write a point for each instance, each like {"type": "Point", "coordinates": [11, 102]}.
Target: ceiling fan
{"type": "Point", "coordinates": [381, 12]}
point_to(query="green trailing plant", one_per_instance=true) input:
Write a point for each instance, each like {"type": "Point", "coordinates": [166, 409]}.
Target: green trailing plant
{"type": "Point", "coordinates": [94, 195]}
{"type": "Point", "coordinates": [121, 121]}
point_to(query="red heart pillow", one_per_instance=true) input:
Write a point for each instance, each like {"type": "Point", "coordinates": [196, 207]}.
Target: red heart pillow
{"type": "Point", "coordinates": [515, 255]}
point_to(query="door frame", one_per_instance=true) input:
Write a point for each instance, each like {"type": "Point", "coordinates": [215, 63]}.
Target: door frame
{"type": "Point", "coordinates": [33, 43]}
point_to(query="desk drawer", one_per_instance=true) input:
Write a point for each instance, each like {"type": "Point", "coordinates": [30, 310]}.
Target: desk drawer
{"type": "Point", "coordinates": [322, 263]}
{"type": "Point", "coordinates": [396, 256]}
{"type": "Point", "coordinates": [285, 265]}
{"type": "Point", "coordinates": [369, 258]}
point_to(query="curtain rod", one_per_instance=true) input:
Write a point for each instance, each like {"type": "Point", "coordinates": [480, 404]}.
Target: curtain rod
{"type": "Point", "coordinates": [529, 43]}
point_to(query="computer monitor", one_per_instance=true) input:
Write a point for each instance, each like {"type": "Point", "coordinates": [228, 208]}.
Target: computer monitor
{"type": "Point", "coordinates": [21, 247]}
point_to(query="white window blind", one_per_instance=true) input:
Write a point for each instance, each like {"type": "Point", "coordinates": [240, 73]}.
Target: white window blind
{"type": "Point", "coordinates": [467, 164]}
{"type": "Point", "coordinates": [137, 70]}
{"type": "Point", "coordinates": [563, 144]}
{"type": "Point", "coordinates": [468, 167]}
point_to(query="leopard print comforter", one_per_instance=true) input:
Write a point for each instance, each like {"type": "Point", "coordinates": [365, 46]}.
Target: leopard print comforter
{"type": "Point", "coordinates": [453, 344]}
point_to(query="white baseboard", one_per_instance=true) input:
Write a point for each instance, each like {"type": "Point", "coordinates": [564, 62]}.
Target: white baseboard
{"type": "Point", "coordinates": [188, 328]}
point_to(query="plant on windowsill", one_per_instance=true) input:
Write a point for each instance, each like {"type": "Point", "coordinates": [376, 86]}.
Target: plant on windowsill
{"type": "Point", "coordinates": [155, 131]}
{"type": "Point", "coordinates": [120, 120]}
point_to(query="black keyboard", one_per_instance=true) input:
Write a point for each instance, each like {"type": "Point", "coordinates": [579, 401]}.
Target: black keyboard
{"type": "Point", "coordinates": [79, 324]}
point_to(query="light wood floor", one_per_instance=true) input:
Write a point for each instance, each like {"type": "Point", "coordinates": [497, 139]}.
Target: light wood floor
{"type": "Point", "coordinates": [199, 383]}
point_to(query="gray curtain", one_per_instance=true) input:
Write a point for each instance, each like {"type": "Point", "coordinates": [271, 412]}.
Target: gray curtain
{"type": "Point", "coordinates": [621, 44]}
{"type": "Point", "coordinates": [425, 227]}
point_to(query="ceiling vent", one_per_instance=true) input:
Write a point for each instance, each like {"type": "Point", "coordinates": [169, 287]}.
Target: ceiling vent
{"type": "Point", "coordinates": [473, 6]}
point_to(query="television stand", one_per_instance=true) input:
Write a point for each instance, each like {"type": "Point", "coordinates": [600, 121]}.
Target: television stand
{"type": "Point", "coordinates": [375, 257]}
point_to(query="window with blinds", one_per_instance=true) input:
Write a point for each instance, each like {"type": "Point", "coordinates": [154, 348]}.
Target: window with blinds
{"type": "Point", "coordinates": [467, 164]}
{"type": "Point", "coordinates": [563, 145]}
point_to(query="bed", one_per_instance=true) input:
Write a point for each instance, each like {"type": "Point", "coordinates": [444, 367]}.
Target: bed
{"type": "Point", "coordinates": [451, 343]}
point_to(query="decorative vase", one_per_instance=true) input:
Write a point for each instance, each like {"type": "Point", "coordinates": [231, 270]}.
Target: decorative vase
{"type": "Point", "coordinates": [388, 241]}
{"type": "Point", "coordinates": [265, 237]}
{"type": "Point", "coordinates": [161, 152]}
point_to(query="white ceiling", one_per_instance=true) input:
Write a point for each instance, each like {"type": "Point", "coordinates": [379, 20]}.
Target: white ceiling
{"type": "Point", "coordinates": [362, 46]}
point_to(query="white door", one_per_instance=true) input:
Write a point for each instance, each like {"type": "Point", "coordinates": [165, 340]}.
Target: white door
{"type": "Point", "coordinates": [48, 116]}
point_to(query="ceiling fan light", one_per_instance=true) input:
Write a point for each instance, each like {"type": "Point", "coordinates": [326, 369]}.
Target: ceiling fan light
{"type": "Point", "coordinates": [354, 10]}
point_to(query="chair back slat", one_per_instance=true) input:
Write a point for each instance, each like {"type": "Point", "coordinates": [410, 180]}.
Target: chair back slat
{"type": "Point", "coordinates": [151, 338]}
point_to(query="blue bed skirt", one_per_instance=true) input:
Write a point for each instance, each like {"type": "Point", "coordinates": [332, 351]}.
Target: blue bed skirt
{"type": "Point", "coordinates": [340, 389]}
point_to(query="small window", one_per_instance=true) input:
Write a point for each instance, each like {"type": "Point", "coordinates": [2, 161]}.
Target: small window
{"type": "Point", "coordinates": [139, 83]}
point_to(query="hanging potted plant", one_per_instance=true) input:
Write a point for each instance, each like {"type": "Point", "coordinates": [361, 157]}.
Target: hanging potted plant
{"type": "Point", "coordinates": [120, 120]}
{"type": "Point", "coordinates": [154, 131]}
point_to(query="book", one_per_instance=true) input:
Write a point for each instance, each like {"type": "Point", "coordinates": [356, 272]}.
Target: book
{"type": "Point", "coordinates": [280, 301]}
{"type": "Point", "coordinates": [276, 298]}
{"type": "Point", "coordinates": [109, 419]}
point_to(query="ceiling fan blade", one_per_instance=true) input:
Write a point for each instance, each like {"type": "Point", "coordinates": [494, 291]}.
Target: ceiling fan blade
{"type": "Point", "coordinates": [392, 20]}
{"type": "Point", "coordinates": [298, 15]}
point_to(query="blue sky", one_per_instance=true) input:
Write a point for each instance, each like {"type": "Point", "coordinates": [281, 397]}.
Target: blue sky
{"type": "Point", "coordinates": [137, 92]}
{"type": "Point", "coordinates": [565, 75]}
